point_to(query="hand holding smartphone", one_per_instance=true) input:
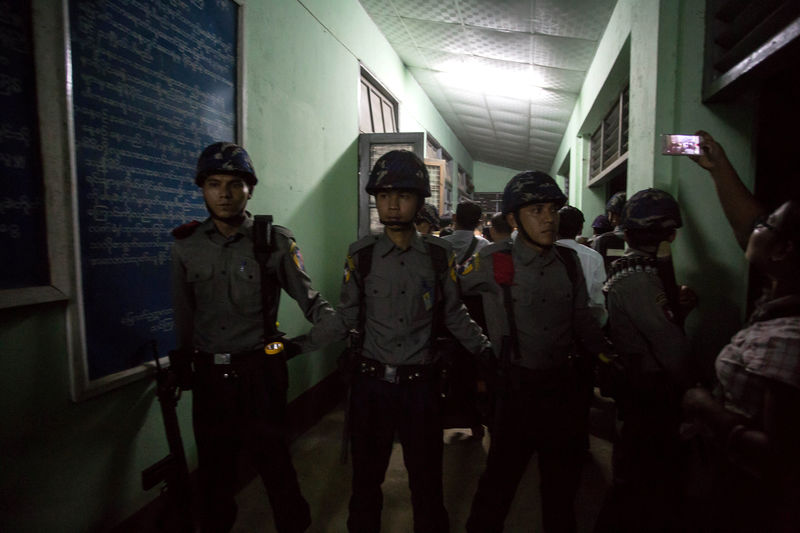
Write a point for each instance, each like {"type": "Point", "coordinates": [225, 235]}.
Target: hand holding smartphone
{"type": "Point", "coordinates": [672, 144]}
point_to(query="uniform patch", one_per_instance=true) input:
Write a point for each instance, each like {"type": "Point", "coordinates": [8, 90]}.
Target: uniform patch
{"type": "Point", "coordinates": [297, 257]}
{"type": "Point", "coordinates": [349, 268]}
{"type": "Point", "coordinates": [469, 265]}
{"type": "Point", "coordinates": [427, 296]}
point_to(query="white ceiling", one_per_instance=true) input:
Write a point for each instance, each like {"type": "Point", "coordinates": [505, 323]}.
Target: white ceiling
{"type": "Point", "coordinates": [504, 74]}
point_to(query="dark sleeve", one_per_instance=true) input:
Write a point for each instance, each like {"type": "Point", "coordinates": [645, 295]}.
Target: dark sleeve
{"type": "Point", "coordinates": [296, 282]}
{"type": "Point", "coordinates": [183, 303]}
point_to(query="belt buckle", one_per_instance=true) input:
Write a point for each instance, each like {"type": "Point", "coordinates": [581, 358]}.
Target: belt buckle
{"type": "Point", "coordinates": [222, 358]}
{"type": "Point", "coordinates": [390, 374]}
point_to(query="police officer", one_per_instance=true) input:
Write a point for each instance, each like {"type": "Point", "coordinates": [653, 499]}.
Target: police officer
{"type": "Point", "coordinates": [237, 372]}
{"type": "Point", "coordinates": [611, 245]}
{"type": "Point", "coordinates": [654, 352]}
{"type": "Point", "coordinates": [399, 288]}
{"type": "Point", "coordinates": [536, 308]}
{"type": "Point", "coordinates": [427, 220]}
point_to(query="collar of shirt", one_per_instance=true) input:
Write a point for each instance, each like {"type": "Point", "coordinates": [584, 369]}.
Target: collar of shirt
{"type": "Point", "coordinates": [244, 230]}
{"type": "Point", "coordinates": [528, 256]}
{"type": "Point", "coordinates": [386, 245]}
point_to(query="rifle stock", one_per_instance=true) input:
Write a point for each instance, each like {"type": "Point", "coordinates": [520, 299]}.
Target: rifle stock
{"type": "Point", "coordinates": [172, 470]}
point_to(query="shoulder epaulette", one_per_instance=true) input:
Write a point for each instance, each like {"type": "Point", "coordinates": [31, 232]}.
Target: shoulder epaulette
{"type": "Point", "coordinates": [500, 246]}
{"type": "Point", "coordinates": [362, 243]}
{"type": "Point", "coordinates": [185, 230]}
{"type": "Point", "coordinates": [438, 241]}
{"type": "Point", "coordinates": [282, 230]}
{"type": "Point", "coordinates": [628, 266]}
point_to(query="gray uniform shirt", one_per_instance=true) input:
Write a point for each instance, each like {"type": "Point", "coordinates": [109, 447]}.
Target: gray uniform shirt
{"type": "Point", "coordinates": [216, 285]}
{"type": "Point", "coordinates": [641, 325]}
{"type": "Point", "coordinates": [550, 311]}
{"type": "Point", "coordinates": [399, 295]}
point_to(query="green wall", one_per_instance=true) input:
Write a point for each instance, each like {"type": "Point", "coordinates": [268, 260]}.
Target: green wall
{"type": "Point", "coordinates": [656, 46]}
{"type": "Point", "coordinates": [77, 467]}
{"type": "Point", "coordinates": [491, 178]}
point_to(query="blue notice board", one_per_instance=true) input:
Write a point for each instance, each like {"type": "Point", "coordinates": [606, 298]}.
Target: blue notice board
{"type": "Point", "coordinates": [23, 234]}
{"type": "Point", "coordinates": [153, 83]}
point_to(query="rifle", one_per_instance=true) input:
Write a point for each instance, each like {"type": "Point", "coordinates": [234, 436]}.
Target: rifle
{"type": "Point", "coordinates": [666, 272]}
{"type": "Point", "coordinates": [172, 469]}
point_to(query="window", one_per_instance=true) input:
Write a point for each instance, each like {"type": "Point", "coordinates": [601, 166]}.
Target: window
{"type": "Point", "coordinates": [377, 110]}
{"type": "Point", "coordinates": [490, 202]}
{"type": "Point", "coordinates": [746, 40]}
{"type": "Point", "coordinates": [609, 145]}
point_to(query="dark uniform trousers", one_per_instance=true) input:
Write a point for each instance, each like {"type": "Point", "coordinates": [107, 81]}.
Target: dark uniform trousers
{"type": "Point", "coordinates": [412, 411]}
{"type": "Point", "coordinates": [538, 411]}
{"type": "Point", "coordinates": [648, 462]}
{"type": "Point", "coordinates": [239, 406]}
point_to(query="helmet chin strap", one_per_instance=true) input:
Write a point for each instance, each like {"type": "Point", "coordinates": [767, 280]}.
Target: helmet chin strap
{"type": "Point", "coordinates": [402, 225]}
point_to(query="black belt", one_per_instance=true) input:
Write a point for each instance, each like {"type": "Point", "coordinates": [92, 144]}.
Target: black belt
{"type": "Point", "coordinates": [395, 373]}
{"type": "Point", "coordinates": [227, 358]}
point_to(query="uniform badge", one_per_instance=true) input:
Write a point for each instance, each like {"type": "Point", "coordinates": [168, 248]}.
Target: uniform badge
{"type": "Point", "coordinates": [349, 268]}
{"type": "Point", "coordinates": [297, 257]}
{"type": "Point", "coordinates": [469, 265]}
{"type": "Point", "coordinates": [427, 297]}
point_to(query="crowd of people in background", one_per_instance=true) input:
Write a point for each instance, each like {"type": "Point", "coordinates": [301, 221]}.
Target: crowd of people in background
{"type": "Point", "coordinates": [514, 324]}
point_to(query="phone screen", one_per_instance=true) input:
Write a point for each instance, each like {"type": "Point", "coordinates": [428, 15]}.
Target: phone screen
{"type": "Point", "coordinates": [680, 144]}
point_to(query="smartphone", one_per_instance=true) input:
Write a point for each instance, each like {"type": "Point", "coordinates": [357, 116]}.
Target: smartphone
{"type": "Point", "coordinates": [680, 144]}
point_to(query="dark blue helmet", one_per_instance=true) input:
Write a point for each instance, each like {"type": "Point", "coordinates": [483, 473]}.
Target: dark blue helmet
{"type": "Point", "coordinates": [429, 214]}
{"type": "Point", "coordinates": [651, 209]}
{"type": "Point", "coordinates": [399, 169]}
{"type": "Point", "coordinates": [531, 187]}
{"type": "Point", "coordinates": [601, 223]}
{"type": "Point", "coordinates": [225, 158]}
{"type": "Point", "coordinates": [616, 203]}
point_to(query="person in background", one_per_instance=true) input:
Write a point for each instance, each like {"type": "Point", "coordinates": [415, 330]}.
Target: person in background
{"type": "Point", "coordinates": [611, 244]}
{"type": "Point", "coordinates": [600, 225]}
{"type": "Point", "coordinates": [427, 221]}
{"type": "Point", "coordinates": [464, 241]}
{"type": "Point", "coordinates": [750, 416]}
{"type": "Point", "coordinates": [446, 223]}
{"type": "Point", "coordinates": [594, 271]}
{"type": "Point", "coordinates": [499, 230]}
{"type": "Point", "coordinates": [462, 419]}
{"type": "Point", "coordinates": [228, 352]}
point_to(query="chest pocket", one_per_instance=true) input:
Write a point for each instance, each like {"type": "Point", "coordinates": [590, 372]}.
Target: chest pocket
{"type": "Point", "coordinates": [200, 277]}
{"type": "Point", "coordinates": [542, 308]}
{"type": "Point", "coordinates": [199, 272]}
{"type": "Point", "coordinates": [245, 285]}
{"type": "Point", "coordinates": [378, 295]}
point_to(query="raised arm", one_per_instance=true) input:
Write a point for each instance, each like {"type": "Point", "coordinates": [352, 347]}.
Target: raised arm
{"type": "Point", "coordinates": [740, 206]}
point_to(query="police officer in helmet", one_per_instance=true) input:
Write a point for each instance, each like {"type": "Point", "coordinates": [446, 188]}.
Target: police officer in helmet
{"type": "Point", "coordinates": [225, 315]}
{"type": "Point", "coordinates": [611, 245]}
{"type": "Point", "coordinates": [536, 307]}
{"type": "Point", "coordinates": [398, 288]}
{"type": "Point", "coordinates": [646, 329]}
